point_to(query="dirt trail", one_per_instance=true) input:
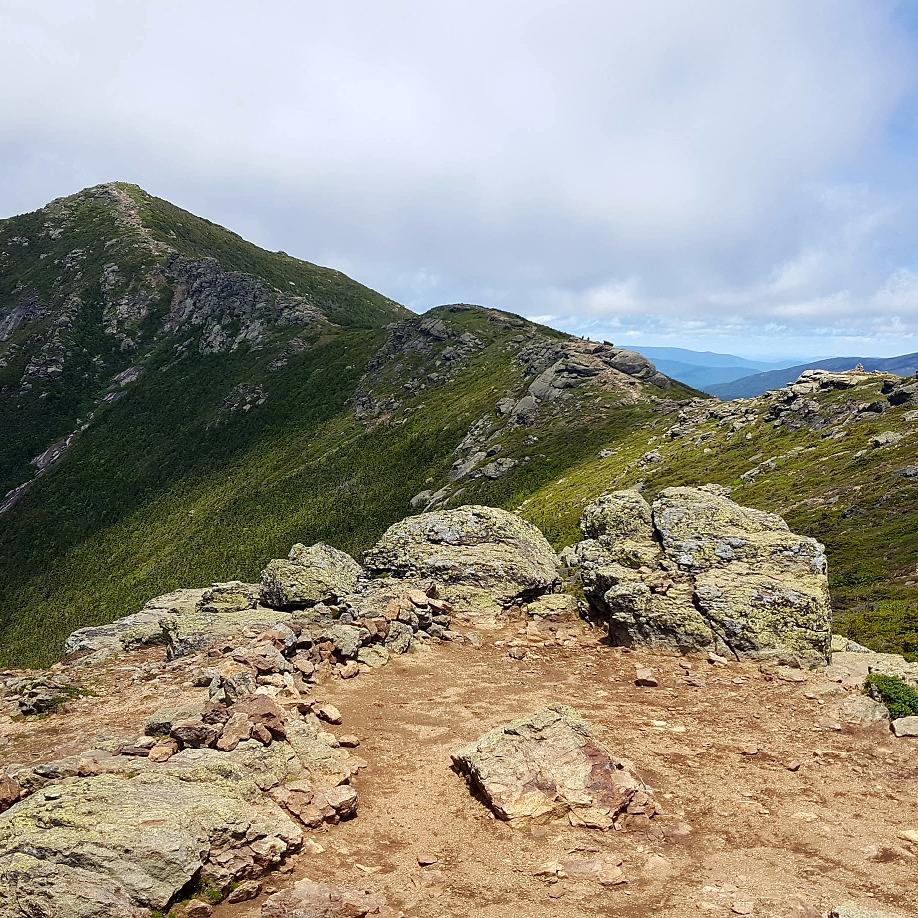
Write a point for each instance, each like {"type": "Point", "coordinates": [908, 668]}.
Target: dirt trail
{"type": "Point", "coordinates": [785, 842]}
{"type": "Point", "coordinates": [790, 843]}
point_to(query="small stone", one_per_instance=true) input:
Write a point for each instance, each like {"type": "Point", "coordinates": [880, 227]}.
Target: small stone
{"type": "Point", "coordinates": [349, 741]}
{"type": "Point", "coordinates": [716, 659]}
{"type": "Point", "coordinates": [644, 677]}
{"type": "Point", "coordinates": [794, 765]}
{"type": "Point", "coordinates": [742, 907]}
{"type": "Point", "coordinates": [198, 908]}
{"type": "Point", "coordinates": [261, 733]}
{"type": "Point", "coordinates": [194, 733]}
{"type": "Point", "coordinates": [517, 653]}
{"type": "Point", "coordinates": [163, 751]}
{"type": "Point", "coordinates": [425, 860]}
{"type": "Point", "coordinates": [139, 751]}
{"type": "Point", "coordinates": [749, 749]}
{"type": "Point", "coordinates": [349, 669]}
{"type": "Point", "coordinates": [247, 889]}
{"type": "Point", "coordinates": [328, 712]}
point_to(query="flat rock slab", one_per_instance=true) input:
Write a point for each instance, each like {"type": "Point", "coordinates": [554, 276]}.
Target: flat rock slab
{"type": "Point", "coordinates": [307, 899]}
{"type": "Point", "coordinates": [549, 765]}
{"type": "Point", "coordinates": [852, 910]}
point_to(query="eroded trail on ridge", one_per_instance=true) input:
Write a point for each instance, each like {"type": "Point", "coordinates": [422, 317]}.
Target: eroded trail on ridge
{"type": "Point", "coordinates": [786, 814]}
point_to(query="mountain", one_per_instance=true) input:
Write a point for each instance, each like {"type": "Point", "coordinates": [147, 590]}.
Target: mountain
{"type": "Point", "coordinates": [757, 383]}
{"type": "Point", "coordinates": [701, 369]}
{"type": "Point", "coordinates": [185, 405]}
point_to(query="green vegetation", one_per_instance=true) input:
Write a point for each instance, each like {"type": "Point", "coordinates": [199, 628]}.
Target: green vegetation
{"type": "Point", "coordinates": [900, 698]}
{"type": "Point", "coordinates": [176, 485]}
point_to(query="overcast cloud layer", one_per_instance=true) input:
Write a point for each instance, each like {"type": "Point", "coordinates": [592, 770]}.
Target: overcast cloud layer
{"type": "Point", "coordinates": [729, 175]}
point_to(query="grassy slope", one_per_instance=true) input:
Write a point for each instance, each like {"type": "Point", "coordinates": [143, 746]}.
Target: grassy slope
{"type": "Point", "coordinates": [166, 490]}
{"type": "Point", "coordinates": [863, 509]}
{"type": "Point", "coordinates": [342, 299]}
{"type": "Point", "coordinates": [216, 504]}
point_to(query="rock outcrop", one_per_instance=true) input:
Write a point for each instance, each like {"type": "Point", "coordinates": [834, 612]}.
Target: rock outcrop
{"type": "Point", "coordinates": [696, 571]}
{"type": "Point", "coordinates": [184, 621]}
{"type": "Point", "coordinates": [308, 576]}
{"type": "Point", "coordinates": [549, 765]}
{"type": "Point", "coordinates": [102, 832]}
{"type": "Point", "coordinates": [483, 558]}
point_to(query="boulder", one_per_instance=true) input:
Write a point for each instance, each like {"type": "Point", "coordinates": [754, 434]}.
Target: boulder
{"type": "Point", "coordinates": [306, 899]}
{"type": "Point", "coordinates": [549, 765]}
{"type": "Point", "coordinates": [483, 558]}
{"type": "Point", "coordinates": [233, 596]}
{"type": "Point", "coordinates": [30, 885]}
{"type": "Point", "coordinates": [185, 621]}
{"type": "Point", "coordinates": [862, 711]}
{"type": "Point", "coordinates": [905, 726]}
{"type": "Point", "coordinates": [141, 839]}
{"type": "Point", "coordinates": [696, 571]}
{"type": "Point", "coordinates": [105, 836]}
{"type": "Point", "coordinates": [308, 576]}
{"type": "Point", "coordinates": [196, 631]}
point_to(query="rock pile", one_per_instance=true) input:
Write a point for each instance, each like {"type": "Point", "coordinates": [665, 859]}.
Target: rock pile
{"type": "Point", "coordinates": [697, 572]}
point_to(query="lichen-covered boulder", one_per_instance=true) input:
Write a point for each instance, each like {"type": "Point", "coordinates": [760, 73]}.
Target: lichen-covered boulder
{"type": "Point", "coordinates": [549, 765]}
{"type": "Point", "coordinates": [232, 596]}
{"type": "Point", "coordinates": [97, 835]}
{"type": "Point", "coordinates": [310, 575]}
{"type": "Point", "coordinates": [142, 837]}
{"type": "Point", "coordinates": [697, 571]}
{"type": "Point", "coordinates": [483, 558]}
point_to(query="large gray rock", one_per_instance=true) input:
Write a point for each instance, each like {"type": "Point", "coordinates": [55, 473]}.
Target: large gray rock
{"type": "Point", "coordinates": [549, 764]}
{"type": "Point", "coordinates": [98, 835]}
{"type": "Point", "coordinates": [697, 571]}
{"type": "Point", "coordinates": [30, 885]}
{"type": "Point", "coordinates": [314, 574]}
{"type": "Point", "coordinates": [483, 558]}
{"type": "Point", "coordinates": [905, 726]}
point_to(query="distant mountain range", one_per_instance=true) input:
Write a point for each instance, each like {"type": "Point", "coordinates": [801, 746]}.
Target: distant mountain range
{"type": "Point", "coordinates": [758, 383]}
{"type": "Point", "coordinates": [701, 369]}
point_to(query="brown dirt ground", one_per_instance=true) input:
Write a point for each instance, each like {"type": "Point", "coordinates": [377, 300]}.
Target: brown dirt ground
{"type": "Point", "coordinates": [790, 843]}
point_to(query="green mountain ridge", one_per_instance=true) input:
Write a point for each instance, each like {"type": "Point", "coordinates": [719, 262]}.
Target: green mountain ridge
{"type": "Point", "coordinates": [185, 406]}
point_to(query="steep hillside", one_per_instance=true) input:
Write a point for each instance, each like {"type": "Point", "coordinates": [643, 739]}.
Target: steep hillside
{"type": "Point", "coordinates": [759, 383]}
{"type": "Point", "coordinates": [835, 454]}
{"type": "Point", "coordinates": [186, 405]}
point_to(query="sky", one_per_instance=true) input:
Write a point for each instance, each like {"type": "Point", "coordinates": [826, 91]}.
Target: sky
{"type": "Point", "coordinates": [733, 176]}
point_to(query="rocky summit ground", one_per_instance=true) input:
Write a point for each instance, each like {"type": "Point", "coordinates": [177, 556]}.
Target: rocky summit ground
{"type": "Point", "coordinates": [769, 805]}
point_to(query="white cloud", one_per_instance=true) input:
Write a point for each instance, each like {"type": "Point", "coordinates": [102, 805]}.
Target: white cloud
{"type": "Point", "coordinates": [664, 167]}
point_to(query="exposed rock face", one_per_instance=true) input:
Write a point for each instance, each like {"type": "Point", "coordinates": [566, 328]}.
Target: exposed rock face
{"type": "Point", "coordinates": [484, 557]}
{"type": "Point", "coordinates": [549, 764]}
{"type": "Point", "coordinates": [310, 575]}
{"type": "Point", "coordinates": [185, 621]}
{"type": "Point", "coordinates": [142, 837]}
{"type": "Point", "coordinates": [697, 571]}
